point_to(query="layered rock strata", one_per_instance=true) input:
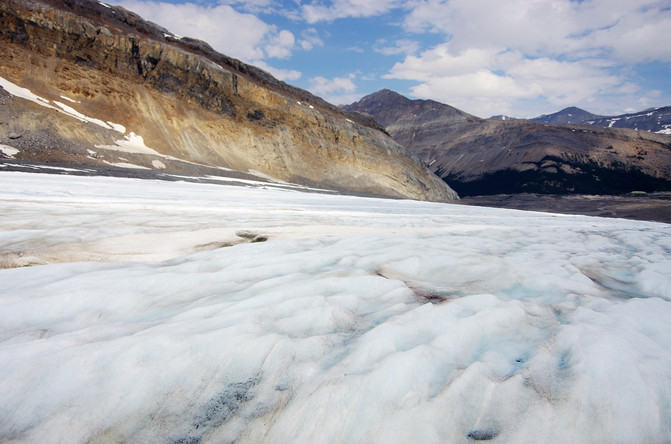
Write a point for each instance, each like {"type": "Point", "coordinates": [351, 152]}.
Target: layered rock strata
{"type": "Point", "coordinates": [131, 78]}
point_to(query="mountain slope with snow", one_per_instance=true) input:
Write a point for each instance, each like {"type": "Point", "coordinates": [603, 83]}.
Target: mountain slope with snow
{"type": "Point", "coordinates": [85, 83]}
{"type": "Point", "coordinates": [153, 319]}
{"type": "Point", "coordinates": [656, 120]}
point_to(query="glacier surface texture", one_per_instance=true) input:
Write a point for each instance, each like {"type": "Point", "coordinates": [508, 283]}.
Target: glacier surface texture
{"type": "Point", "coordinates": [140, 311]}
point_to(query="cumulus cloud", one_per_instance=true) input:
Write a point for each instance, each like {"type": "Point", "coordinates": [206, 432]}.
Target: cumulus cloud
{"type": "Point", "coordinates": [625, 30]}
{"type": "Point", "coordinates": [483, 80]}
{"type": "Point", "coordinates": [286, 75]}
{"type": "Point", "coordinates": [310, 39]}
{"type": "Point", "coordinates": [442, 61]}
{"type": "Point", "coordinates": [561, 51]}
{"type": "Point", "coordinates": [337, 90]}
{"type": "Point", "coordinates": [230, 32]}
{"type": "Point", "coordinates": [322, 85]}
{"type": "Point", "coordinates": [280, 45]}
{"type": "Point", "coordinates": [637, 37]}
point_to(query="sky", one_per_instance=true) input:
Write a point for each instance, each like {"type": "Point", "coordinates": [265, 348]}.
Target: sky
{"type": "Point", "coordinates": [520, 58]}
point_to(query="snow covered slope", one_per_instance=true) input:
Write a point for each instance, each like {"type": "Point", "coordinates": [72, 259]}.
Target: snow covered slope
{"type": "Point", "coordinates": [358, 320]}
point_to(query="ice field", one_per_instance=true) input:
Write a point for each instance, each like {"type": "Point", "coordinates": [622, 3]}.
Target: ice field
{"type": "Point", "coordinates": [137, 311]}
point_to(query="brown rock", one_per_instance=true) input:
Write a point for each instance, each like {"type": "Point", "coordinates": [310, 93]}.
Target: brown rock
{"type": "Point", "coordinates": [189, 102]}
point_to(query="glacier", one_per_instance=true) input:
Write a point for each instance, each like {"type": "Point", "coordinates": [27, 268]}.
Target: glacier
{"type": "Point", "coordinates": [135, 311]}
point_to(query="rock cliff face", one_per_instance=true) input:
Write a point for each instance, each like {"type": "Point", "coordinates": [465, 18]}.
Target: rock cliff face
{"type": "Point", "coordinates": [98, 77]}
{"type": "Point", "coordinates": [478, 157]}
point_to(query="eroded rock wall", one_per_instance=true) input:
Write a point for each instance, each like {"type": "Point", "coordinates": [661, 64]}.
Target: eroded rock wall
{"type": "Point", "coordinates": [189, 102]}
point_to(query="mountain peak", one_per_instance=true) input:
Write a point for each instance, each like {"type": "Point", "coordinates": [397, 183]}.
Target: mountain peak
{"type": "Point", "coordinates": [388, 106]}
{"type": "Point", "coordinates": [381, 97]}
{"type": "Point", "coordinates": [572, 114]}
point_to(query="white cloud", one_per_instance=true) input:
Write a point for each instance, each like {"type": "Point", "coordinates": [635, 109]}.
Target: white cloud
{"type": "Point", "coordinates": [482, 92]}
{"type": "Point", "coordinates": [626, 30]}
{"type": "Point", "coordinates": [562, 52]}
{"type": "Point", "coordinates": [563, 82]}
{"type": "Point", "coordinates": [313, 13]}
{"type": "Point", "coordinates": [637, 37]}
{"type": "Point", "coordinates": [253, 6]}
{"type": "Point", "coordinates": [322, 85]}
{"type": "Point", "coordinates": [228, 31]}
{"type": "Point", "coordinates": [310, 39]}
{"type": "Point", "coordinates": [337, 90]}
{"type": "Point", "coordinates": [280, 45]}
{"type": "Point", "coordinates": [530, 26]}
{"type": "Point", "coordinates": [290, 10]}
{"type": "Point", "coordinates": [286, 75]}
{"type": "Point", "coordinates": [442, 62]}
{"type": "Point", "coordinates": [402, 46]}
{"type": "Point", "coordinates": [480, 80]}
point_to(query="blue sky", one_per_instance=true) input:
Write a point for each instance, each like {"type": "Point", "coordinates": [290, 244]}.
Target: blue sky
{"type": "Point", "coordinates": [521, 58]}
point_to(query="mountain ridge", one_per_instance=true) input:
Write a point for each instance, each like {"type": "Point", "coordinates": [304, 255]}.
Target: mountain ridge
{"type": "Point", "coordinates": [186, 102]}
{"type": "Point", "coordinates": [479, 156]}
{"type": "Point", "coordinates": [657, 120]}
{"type": "Point", "coordinates": [572, 114]}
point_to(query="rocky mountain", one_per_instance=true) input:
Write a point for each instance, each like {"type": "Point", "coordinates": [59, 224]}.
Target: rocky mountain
{"type": "Point", "coordinates": [87, 83]}
{"type": "Point", "coordinates": [478, 157]}
{"type": "Point", "coordinates": [567, 115]}
{"type": "Point", "coordinates": [656, 120]}
{"type": "Point", "coordinates": [502, 117]}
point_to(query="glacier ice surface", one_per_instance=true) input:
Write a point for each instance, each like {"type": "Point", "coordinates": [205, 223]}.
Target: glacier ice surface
{"type": "Point", "coordinates": [359, 320]}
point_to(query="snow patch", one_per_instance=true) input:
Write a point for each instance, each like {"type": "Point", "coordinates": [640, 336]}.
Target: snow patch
{"type": "Point", "coordinates": [70, 100]}
{"type": "Point", "coordinates": [665, 130]}
{"type": "Point", "coordinates": [126, 165]}
{"type": "Point", "coordinates": [24, 93]}
{"type": "Point", "coordinates": [51, 168]}
{"type": "Point", "coordinates": [158, 164]}
{"type": "Point", "coordinates": [117, 127]}
{"type": "Point", "coordinates": [9, 151]}
{"type": "Point", "coordinates": [612, 122]}
{"type": "Point", "coordinates": [265, 176]}
{"type": "Point", "coordinates": [131, 143]}
{"type": "Point", "coordinates": [77, 115]}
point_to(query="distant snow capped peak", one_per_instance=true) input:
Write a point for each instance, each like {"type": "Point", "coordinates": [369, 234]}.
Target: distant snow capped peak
{"type": "Point", "coordinates": [656, 119]}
